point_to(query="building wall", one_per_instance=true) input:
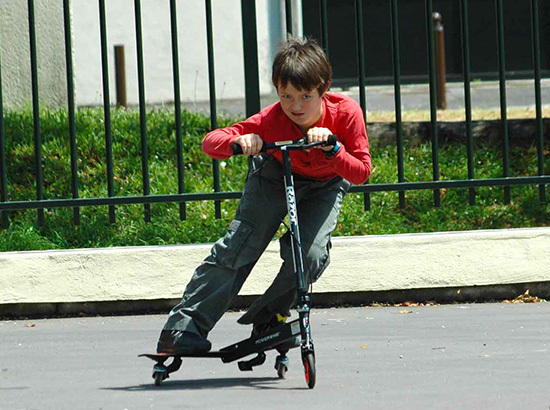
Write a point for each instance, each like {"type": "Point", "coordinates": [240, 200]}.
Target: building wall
{"type": "Point", "coordinates": [15, 53]}
{"type": "Point", "coordinates": [228, 50]}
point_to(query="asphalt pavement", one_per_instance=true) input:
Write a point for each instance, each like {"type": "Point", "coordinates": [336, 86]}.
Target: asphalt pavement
{"type": "Point", "coordinates": [476, 356]}
{"type": "Point", "coordinates": [484, 95]}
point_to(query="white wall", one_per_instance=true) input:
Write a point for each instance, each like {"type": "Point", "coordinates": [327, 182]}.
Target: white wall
{"type": "Point", "coordinates": [229, 64]}
{"type": "Point", "coordinates": [359, 264]}
{"type": "Point", "coordinates": [15, 53]}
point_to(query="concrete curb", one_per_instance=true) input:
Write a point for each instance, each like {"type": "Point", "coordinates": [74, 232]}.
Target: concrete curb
{"type": "Point", "coordinates": [362, 270]}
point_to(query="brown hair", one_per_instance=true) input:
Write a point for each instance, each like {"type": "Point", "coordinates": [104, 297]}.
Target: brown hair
{"type": "Point", "coordinates": [302, 62]}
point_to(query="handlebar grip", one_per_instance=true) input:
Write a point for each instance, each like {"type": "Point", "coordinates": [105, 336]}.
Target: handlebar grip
{"type": "Point", "coordinates": [332, 139]}
{"type": "Point", "coordinates": [237, 149]}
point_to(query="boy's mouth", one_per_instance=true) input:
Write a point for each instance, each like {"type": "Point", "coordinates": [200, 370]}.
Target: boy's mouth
{"type": "Point", "coordinates": [298, 114]}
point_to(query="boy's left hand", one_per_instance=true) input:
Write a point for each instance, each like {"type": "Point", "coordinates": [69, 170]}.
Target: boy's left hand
{"type": "Point", "coordinates": [317, 134]}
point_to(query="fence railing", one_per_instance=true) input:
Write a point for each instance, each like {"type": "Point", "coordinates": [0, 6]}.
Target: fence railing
{"type": "Point", "coordinates": [250, 45]}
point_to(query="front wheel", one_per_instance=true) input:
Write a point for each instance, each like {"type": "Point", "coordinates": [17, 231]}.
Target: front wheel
{"type": "Point", "coordinates": [309, 368]}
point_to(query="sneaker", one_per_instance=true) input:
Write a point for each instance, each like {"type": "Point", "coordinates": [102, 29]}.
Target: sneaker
{"type": "Point", "coordinates": [182, 342]}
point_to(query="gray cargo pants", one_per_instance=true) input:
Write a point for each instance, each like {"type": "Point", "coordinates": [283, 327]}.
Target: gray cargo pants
{"type": "Point", "coordinates": [217, 281]}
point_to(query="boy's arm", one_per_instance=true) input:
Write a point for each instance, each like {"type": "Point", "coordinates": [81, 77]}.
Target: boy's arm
{"type": "Point", "coordinates": [217, 143]}
{"type": "Point", "coordinates": [352, 161]}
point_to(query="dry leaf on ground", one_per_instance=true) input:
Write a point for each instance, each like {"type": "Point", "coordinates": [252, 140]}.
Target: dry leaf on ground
{"type": "Point", "coordinates": [525, 298]}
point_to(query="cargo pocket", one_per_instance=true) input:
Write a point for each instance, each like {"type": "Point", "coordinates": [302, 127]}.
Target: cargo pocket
{"type": "Point", "coordinates": [226, 250]}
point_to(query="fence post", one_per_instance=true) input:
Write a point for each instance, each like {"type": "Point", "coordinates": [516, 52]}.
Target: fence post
{"type": "Point", "coordinates": [440, 71]}
{"type": "Point", "coordinates": [120, 69]}
{"type": "Point", "coordinates": [250, 49]}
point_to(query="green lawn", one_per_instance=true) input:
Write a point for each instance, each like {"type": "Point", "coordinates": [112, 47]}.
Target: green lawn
{"type": "Point", "coordinates": [384, 216]}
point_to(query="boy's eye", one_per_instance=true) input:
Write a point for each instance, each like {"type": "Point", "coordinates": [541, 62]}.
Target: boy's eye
{"type": "Point", "coordinates": [307, 96]}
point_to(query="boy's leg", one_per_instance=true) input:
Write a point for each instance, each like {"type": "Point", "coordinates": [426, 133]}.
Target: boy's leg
{"type": "Point", "coordinates": [319, 204]}
{"type": "Point", "coordinates": [221, 275]}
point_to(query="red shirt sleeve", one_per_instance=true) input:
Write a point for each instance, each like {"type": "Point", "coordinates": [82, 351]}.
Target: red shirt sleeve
{"type": "Point", "coordinates": [217, 143]}
{"type": "Point", "coordinates": [353, 159]}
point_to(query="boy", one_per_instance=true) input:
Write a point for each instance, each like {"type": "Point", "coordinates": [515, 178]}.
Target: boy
{"type": "Point", "coordinates": [301, 75]}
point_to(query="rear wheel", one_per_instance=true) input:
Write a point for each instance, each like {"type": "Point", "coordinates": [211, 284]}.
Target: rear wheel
{"type": "Point", "coordinates": [281, 365]}
{"type": "Point", "coordinates": [159, 377]}
{"type": "Point", "coordinates": [281, 370]}
{"type": "Point", "coordinates": [160, 372]}
{"type": "Point", "coordinates": [309, 368]}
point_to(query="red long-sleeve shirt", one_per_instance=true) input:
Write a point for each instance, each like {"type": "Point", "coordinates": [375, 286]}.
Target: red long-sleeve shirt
{"type": "Point", "coordinates": [341, 115]}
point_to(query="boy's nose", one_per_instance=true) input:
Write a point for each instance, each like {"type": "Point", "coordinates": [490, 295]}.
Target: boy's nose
{"type": "Point", "coordinates": [296, 105]}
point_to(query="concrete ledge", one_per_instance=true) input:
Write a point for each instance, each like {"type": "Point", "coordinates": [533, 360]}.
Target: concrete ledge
{"type": "Point", "coordinates": [489, 293]}
{"type": "Point", "coordinates": [361, 268]}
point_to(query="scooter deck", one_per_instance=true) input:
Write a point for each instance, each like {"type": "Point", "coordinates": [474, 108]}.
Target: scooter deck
{"type": "Point", "coordinates": [238, 350]}
{"type": "Point", "coordinates": [161, 356]}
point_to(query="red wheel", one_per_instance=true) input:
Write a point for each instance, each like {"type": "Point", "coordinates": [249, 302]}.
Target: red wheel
{"type": "Point", "coordinates": [309, 369]}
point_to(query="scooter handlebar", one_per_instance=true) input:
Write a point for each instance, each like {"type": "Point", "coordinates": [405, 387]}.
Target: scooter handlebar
{"type": "Point", "coordinates": [299, 144]}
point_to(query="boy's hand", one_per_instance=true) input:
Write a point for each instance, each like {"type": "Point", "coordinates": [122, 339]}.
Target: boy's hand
{"type": "Point", "coordinates": [250, 143]}
{"type": "Point", "coordinates": [317, 134]}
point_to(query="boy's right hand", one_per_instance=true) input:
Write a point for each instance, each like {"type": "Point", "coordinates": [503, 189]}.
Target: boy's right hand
{"type": "Point", "coordinates": [250, 143]}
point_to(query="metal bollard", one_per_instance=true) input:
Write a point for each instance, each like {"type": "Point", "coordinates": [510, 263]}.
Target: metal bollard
{"type": "Point", "coordinates": [440, 71]}
{"type": "Point", "coordinates": [120, 69]}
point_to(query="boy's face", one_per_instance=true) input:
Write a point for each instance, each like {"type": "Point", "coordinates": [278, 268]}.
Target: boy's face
{"type": "Point", "coordinates": [303, 107]}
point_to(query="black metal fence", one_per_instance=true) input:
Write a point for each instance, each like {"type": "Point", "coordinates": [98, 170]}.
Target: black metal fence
{"type": "Point", "coordinates": [248, 10]}
{"type": "Point", "coordinates": [482, 27]}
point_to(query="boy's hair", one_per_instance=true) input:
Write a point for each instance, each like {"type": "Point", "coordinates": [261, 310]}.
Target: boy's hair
{"type": "Point", "coordinates": [303, 63]}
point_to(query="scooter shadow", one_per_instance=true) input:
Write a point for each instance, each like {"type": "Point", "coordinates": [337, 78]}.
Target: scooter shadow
{"type": "Point", "coordinates": [264, 383]}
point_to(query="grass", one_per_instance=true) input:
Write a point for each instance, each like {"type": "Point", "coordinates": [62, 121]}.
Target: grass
{"type": "Point", "coordinates": [384, 216]}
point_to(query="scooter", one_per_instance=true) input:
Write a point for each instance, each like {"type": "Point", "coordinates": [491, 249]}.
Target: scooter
{"type": "Point", "coordinates": [280, 337]}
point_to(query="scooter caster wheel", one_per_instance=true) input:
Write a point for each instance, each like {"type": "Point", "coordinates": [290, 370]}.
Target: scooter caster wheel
{"type": "Point", "coordinates": [309, 368]}
{"type": "Point", "coordinates": [281, 365]}
{"type": "Point", "coordinates": [281, 371]}
{"type": "Point", "coordinates": [159, 374]}
{"type": "Point", "coordinates": [159, 377]}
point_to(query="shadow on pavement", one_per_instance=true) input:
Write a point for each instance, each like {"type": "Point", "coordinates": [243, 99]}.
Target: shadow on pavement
{"type": "Point", "coordinates": [219, 383]}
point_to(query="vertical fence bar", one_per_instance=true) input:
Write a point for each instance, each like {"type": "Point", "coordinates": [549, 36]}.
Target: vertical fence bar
{"type": "Point", "coordinates": [465, 25]}
{"type": "Point", "coordinates": [3, 169]}
{"type": "Point", "coordinates": [250, 51]}
{"type": "Point", "coordinates": [359, 32]}
{"type": "Point", "coordinates": [360, 35]}
{"type": "Point", "coordinates": [106, 106]}
{"type": "Point", "coordinates": [36, 112]}
{"type": "Point", "coordinates": [212, 88]}
{"type": "Point", "coordinates": [396, 61]}
{"type": "Point", "coordinates": [177, 105]}
{"type": "Point", "coordinates": [433, 99]}
{"type": "Point", "coordinates": [324, 25]}
{"type": "Point", "coordinates": [538, 105]}
{"type": "Point", "coordinates": [142, 109]}
{"type": "Point", "coordinates": [502, 86]}
{"type": "Point", "coordinates": [70, 101]}
{"type": "Point", "coordinates": [251, 66]}
{"type": "Point", "coordinates": [288, 17]}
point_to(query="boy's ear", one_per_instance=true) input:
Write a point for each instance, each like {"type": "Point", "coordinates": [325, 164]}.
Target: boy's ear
{"type": "Point", "coordinates": [327, 86]}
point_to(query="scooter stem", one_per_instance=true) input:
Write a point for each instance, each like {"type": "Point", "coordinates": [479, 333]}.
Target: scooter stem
{"type": "Point", "coordinates": [303, 307]}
